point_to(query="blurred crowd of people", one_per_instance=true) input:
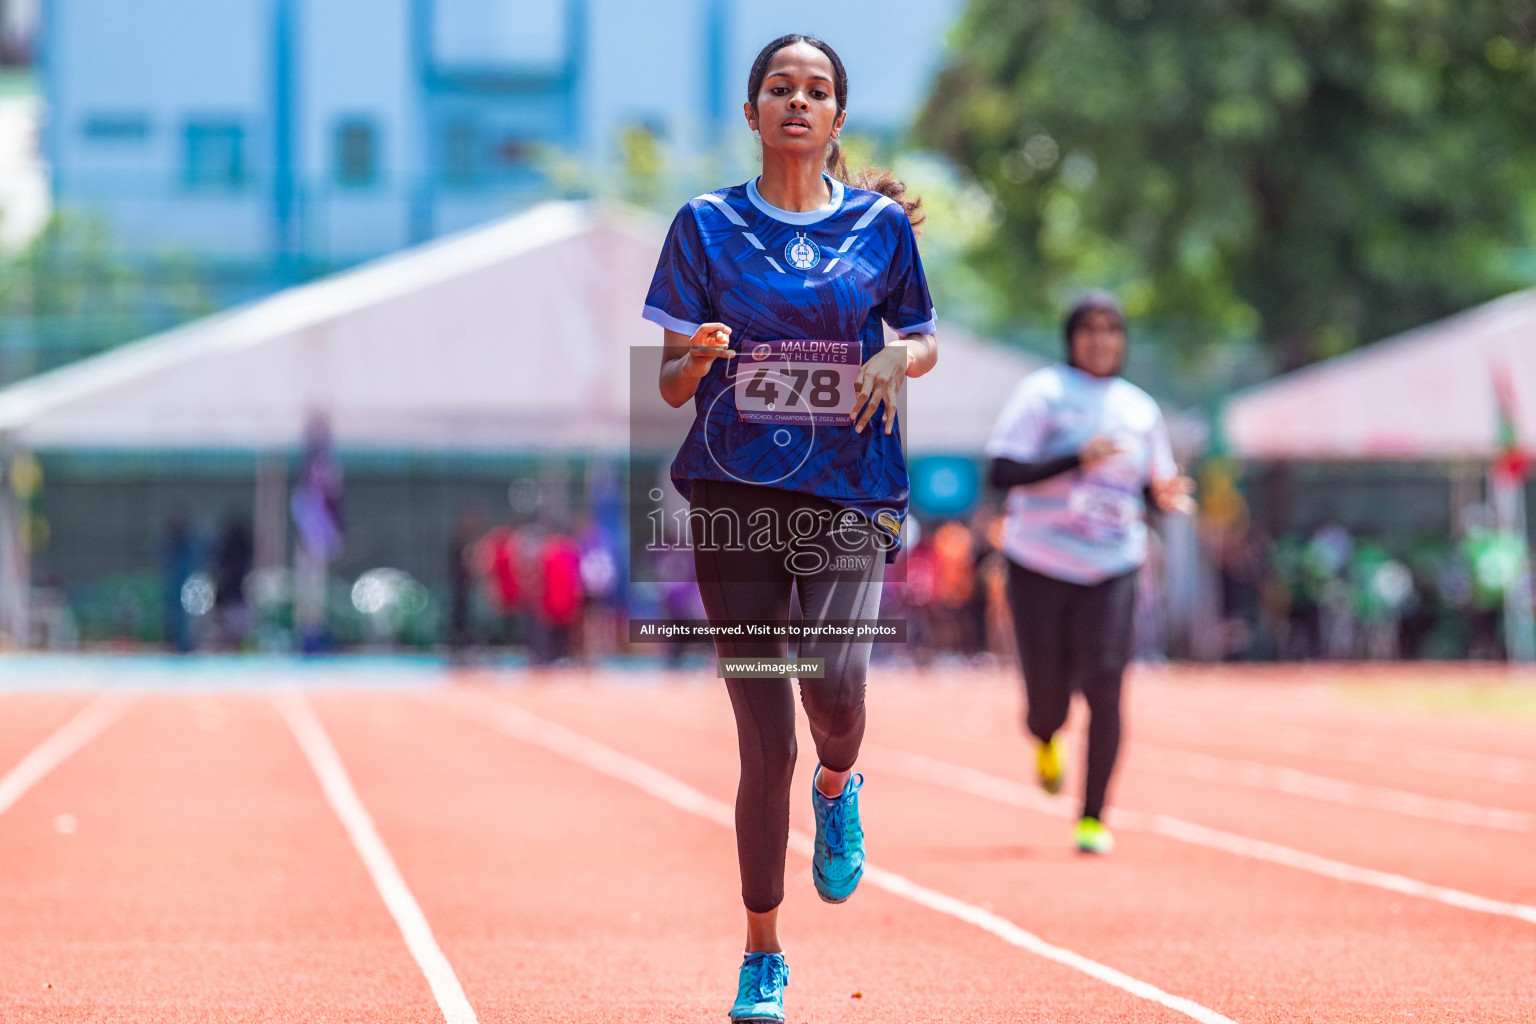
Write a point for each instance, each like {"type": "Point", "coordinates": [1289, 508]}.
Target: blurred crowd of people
{"type": "Point", "coordinates": [554, 594]}
{"type": "Point", "coordinates": [209, 584]}
{"type": "Point", "coordinates": [564, 595]}
{"type": "Point", "coordinates": [1329, 593]}
{"type": "Point", "coordinates": [1326, 593]}
{"type": "Point", "coordinates": [948, 584]}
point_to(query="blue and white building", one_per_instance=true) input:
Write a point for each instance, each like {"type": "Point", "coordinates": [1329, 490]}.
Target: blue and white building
{"type": "Point", "coordinates": [320, 132]}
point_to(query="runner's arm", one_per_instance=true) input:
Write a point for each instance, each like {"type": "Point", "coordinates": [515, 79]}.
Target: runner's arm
{"type": "Point", "coordinates": [922, 353]}
{"type": "Point", "coordinates": [1005, 473]}
{"type": "Point", "coordinates": [683, 366]}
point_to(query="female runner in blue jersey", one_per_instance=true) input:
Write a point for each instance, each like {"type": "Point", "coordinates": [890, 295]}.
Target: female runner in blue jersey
{"type": "Point", "coordinates": [793, 466]}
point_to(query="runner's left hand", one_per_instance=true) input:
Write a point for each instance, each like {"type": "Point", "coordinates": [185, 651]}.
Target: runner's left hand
{"type": "Point", "coordinates": [879, 380]}
{"type": "Point", "coordinates": [1174, 495]}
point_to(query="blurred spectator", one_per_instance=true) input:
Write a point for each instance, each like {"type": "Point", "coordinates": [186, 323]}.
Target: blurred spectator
{"type": "Point", "coordinates": [1310, 570]}
{"type": "Point", "coordinates": [498, 557]}
{"type": "Point", "coordinates": [984, 525]}
{"type": "Point", "coordinates": [53, 618]}
{"type": "Point", "coordinates": [1248, 606]}
{"type": "Point", "coordinates": [954, 588]}
{"type": "Point", "coordinates": [180, 563]}
{"type": "Point", "coordinates": [994, 627]}
{"type": "Point", "coordinates": [232, 565]}
{"type": "Point", "coordinates": [1381, 590]}
{"type": "Point", "coordinates": [1429, 617]}
{"type": "Point", "coordinates": [600, 591]}
{"type": "Point", "coordinates": [559, 604]}
{"type": "Point", "coordinates": [463, 567]}
{"type": "Point", "coordinates": [316, 505]}
{"type": "Point", "coordinates": [1493, 559]}
{"type": "Point", "coordinates": [1327, 562]}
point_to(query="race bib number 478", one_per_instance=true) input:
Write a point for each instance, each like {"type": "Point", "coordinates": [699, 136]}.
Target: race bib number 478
{"type": "Point", "coordinates": [796, 381]}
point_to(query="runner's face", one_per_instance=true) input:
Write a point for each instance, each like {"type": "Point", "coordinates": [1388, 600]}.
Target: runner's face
{"type": "Point", "coordinates": [1098, 344]}
{"type": "Point", "coordinates": [796, 108]}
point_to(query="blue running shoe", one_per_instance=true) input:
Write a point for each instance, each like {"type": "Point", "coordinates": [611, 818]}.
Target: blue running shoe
{"type": "Point", "coordinates": [760, 992]}
{"type": "Point", "coordinates": [838, 862]}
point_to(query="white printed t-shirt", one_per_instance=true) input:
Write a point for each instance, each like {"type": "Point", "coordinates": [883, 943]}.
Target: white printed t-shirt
{"type": "Point", "coordinates": [1084, 525]}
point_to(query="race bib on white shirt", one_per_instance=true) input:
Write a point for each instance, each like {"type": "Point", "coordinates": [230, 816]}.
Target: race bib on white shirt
{"type": "Point", "coordinates": [1101, 513]}
{"type": "Point", "coordinates": [796, 381]}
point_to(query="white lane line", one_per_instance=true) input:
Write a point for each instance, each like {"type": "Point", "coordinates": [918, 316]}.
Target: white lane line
{"type": "Point", "coordinates": [523, 725]}
{"type": "Point", "coordinates": [1370, 750]}
{"type": "Point", "coordinates": [1199, 835]}
{"type": "Point", "coordinates": [1255, 775]}
{"type": "Point", "coordinates": [85, 726]}
{"type": "Point", "coordinates": [343, 798]}
{"type": "Point", "coordinates": [1017, 794]}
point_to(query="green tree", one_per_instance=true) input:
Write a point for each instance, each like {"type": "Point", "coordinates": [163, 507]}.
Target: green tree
{"type": "Point", "coordinates": [1318, 172]}
{"type": "Point", "coordinates": [70, 293]}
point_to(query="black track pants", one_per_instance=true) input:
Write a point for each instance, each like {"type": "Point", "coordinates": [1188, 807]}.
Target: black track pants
{"type": "Point", "coordinates": [756, 584]}
{"type": "Point", "coordinates": [1075, 637]}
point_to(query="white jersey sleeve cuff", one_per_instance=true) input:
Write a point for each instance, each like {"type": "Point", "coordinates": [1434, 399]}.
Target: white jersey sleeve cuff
{"type": "Point", "coordinates": [929, 326]}
{"type": "Point", "coordinates": [662, 318]}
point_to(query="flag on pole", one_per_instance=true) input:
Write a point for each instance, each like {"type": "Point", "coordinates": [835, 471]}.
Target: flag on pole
{"type": "Point", "coordinates": [1507, 476]}
{"type": "Point", "coordinates": [1512, 462]}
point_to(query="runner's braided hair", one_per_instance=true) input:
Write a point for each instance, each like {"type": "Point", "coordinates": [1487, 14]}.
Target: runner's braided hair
{"type": "Point", "coordinates": [884, 182]}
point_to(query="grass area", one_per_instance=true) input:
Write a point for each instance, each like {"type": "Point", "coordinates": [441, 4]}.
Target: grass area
{"type": "Point", "coordinates": [1513, 699]}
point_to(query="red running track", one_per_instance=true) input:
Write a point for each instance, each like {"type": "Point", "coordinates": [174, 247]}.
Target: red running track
{"type": "Point", "coordinates": [554, 847]}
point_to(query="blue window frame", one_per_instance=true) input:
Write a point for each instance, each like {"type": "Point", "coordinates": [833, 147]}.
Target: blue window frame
{"type": "Point", "coordinates": [356, 151]}
{"type": "Point", "coordinates": [215, 154]}
{"type": "Point", "coordinates": [109, 126]}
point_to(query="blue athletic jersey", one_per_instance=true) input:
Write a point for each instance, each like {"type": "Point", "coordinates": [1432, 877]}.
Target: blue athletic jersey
{"type": "Point", "coordinates": [773, 275]}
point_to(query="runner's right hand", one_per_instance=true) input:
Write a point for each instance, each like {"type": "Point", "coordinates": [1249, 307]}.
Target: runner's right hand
{"type": "Point", "coordinates": [1097, 450]}
{"type": "Point", "coordinates": [708, 336]}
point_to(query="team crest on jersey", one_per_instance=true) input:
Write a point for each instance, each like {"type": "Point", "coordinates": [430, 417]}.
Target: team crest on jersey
{"type": "Point", "coordinates": [802, 253]}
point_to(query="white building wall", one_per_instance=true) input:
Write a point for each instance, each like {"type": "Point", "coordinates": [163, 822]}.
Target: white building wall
{"type": "Point", "coordinates": [355, 61]}
{"type": "Point", "coordinates": [645, 64]}
{"type": "Point", "coordinates": [166, 62]}
{"type": "Point", "coordinates": [172, 61]}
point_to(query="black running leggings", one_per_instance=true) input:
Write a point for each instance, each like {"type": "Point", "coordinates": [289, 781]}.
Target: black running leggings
{"type": "Point", "coordinates": [744, 581]}
{"type": "Point", "coordinates": [1073, 636]}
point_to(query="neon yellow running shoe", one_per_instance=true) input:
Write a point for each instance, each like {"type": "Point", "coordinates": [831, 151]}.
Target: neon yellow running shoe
{"type": "Point", "coordinates": [1093, 837]}
{"type": "Point", "coordinates": [1049, 756]}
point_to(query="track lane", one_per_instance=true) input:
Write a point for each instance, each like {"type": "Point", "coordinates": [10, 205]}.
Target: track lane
{"type": "Point", "coordinates": [960, 720]}
{"type": "Point", "coordinates": [1358, 701]}
{"type": "Point", "coordinates": [1492, 863]}
{"type": "Point", "coordinates": [1439, 771]}
{"type": "Point", "coordinates": [618, 906]}
{"type": "Point", "coordinates": [1310, 945]}
{"type": "Point", "coordinates": [1225, 936]}
{"type": "Point", "coordinates": [1370, 764]}
{"type": "Point", "coordinates": [1264, 776]}
{"type": "Point", "coordinates": [990, 705]}
{"type": "Point", "coordinates": [203, 878]}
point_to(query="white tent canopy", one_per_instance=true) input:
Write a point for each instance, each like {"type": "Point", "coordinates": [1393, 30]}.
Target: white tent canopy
{"type": "Point", "coordinates": [490, 338]}
{"type": "Point", "coordinates": [515, 336]}
{"type": "Point", "coordinates": [1427, 394]}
